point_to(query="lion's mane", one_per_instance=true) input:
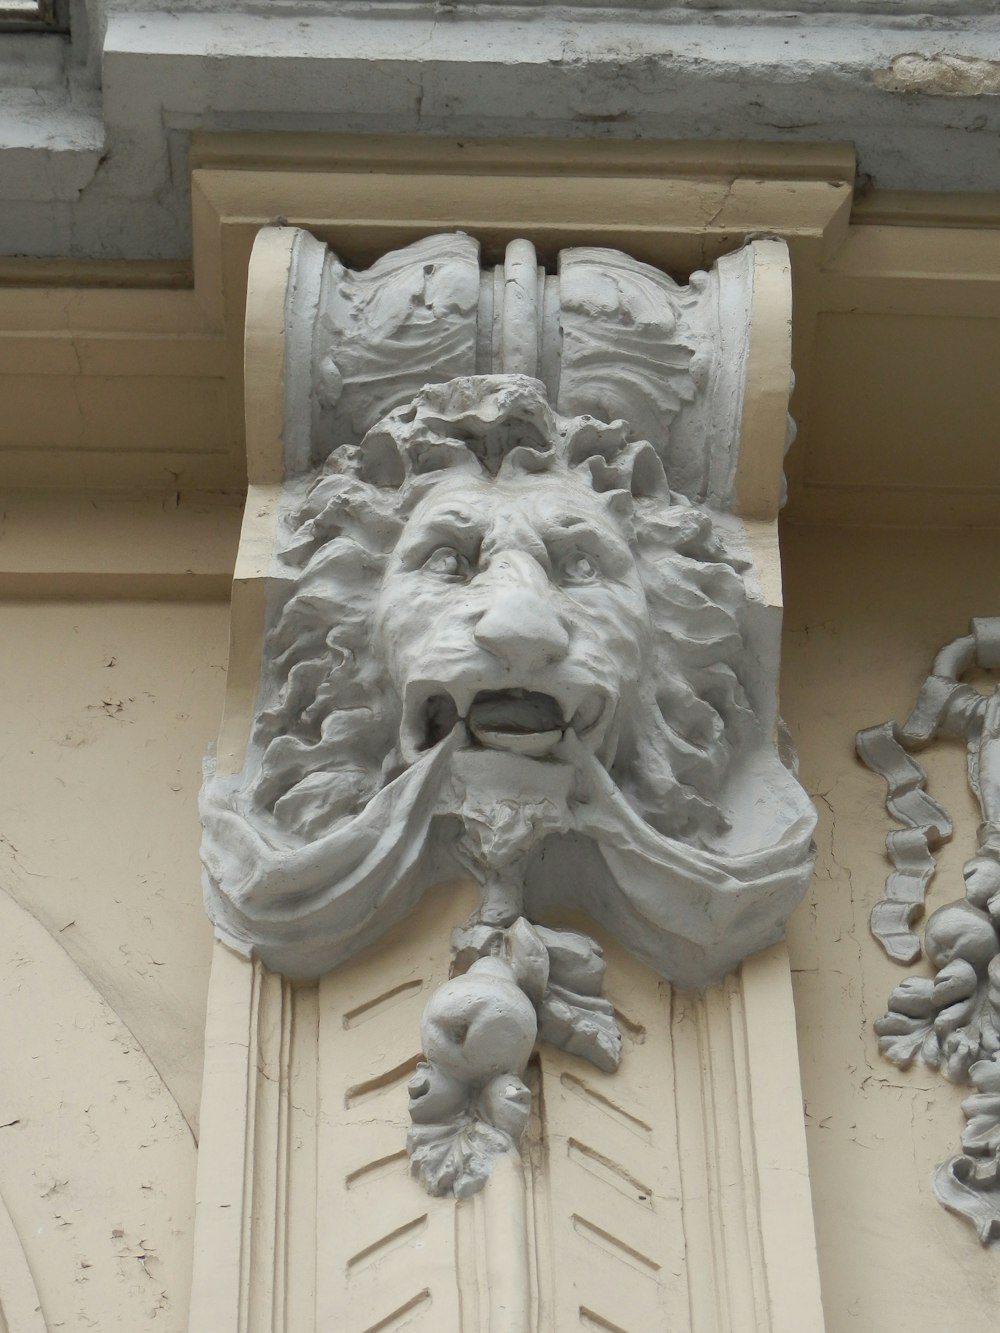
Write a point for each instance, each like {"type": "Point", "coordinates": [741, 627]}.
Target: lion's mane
{"type": "Point", "coordinates": [326, 738]}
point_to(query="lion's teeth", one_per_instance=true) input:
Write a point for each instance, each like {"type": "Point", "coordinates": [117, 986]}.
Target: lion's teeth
{"type": "Point", "coordinates": [463, 696]}
{"type": "Point", "coordinates": [588, 713]}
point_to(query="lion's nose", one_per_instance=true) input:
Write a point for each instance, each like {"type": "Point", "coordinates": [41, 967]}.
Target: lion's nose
{"type": "Point", "coordinates": [520, 625]}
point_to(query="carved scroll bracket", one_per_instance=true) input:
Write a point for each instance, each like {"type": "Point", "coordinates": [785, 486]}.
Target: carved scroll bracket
{"type": "Point", "coordinates": [506, 611]}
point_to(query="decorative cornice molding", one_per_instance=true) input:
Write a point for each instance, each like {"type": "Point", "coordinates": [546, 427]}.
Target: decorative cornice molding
{"type": "Point", "coordinates": [701, 159]}
{"type": "Point", "coordinates": [117, 377]}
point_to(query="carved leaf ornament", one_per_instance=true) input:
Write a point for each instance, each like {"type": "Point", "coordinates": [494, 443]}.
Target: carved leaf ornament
{"type": "Point", "coordinates": [950, 1021]}
{"type": "Point", "coordinates": [514, 633]}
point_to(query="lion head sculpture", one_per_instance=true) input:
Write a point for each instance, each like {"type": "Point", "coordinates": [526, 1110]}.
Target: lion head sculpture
{"type": "Point", "coordinates": [499, 642]}
{"type": "Point", "coordinates": [498, 639]}
{"type": "Point", "coordinates": [480, 561]}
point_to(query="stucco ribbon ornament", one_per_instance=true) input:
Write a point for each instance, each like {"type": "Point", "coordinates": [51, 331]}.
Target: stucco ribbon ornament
{"type": "Point", "coordinates": [950, 1021]}
{"type": "Point", "coordinates": [502, 645]}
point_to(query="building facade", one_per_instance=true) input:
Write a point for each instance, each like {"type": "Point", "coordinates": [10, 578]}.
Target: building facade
{"type": "Point", "coordinates": [142, 148]}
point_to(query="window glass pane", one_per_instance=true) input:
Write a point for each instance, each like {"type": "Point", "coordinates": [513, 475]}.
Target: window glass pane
{"type": "Point", "coordinates": [32, 14]}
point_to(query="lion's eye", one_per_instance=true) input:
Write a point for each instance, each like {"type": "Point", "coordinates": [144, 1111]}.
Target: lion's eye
{"type": "Point", "coordinates": [447, 563]}
{"type": "Point", "coordinates": [579, 568]}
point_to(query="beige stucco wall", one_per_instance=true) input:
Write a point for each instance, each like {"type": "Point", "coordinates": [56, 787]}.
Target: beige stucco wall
{"type": "Point", "coordinates": [107, 707]}
{"type": "Point", "coordinates": [864, 614]}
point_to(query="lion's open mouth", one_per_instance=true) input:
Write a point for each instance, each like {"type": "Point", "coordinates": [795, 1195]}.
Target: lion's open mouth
{"type": "Point", "coordinates": [520, 720]}
{"type": "Point", "coordinates": [517, 720]}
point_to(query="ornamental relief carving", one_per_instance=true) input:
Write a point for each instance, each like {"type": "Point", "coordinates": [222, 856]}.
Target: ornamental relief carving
{"type": "Point", "coordinates": [515, 633]}
{"type": "Point", "coordinates": [949, 1021]}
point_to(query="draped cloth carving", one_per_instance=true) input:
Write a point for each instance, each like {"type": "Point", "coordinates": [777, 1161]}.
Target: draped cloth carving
{"type": "Point", "coordinates": [515, 631]}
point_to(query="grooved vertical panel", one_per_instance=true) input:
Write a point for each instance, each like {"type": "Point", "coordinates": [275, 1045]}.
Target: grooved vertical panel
{"type": "Point", "coordinates": [616, 1248]}
{"type": "Point", "coordinates": [642, 1201]}
{"type": "Point", "coordinates": [300, 1219]}
{"type": "Point", "coordinates": [386, 1251]}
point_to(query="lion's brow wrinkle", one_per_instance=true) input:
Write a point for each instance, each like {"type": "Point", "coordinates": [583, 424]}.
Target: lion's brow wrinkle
{"type": "Point", "coordinates": [458, 517]}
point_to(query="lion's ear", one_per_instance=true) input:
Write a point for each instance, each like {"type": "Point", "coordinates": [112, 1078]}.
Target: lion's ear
{"type": "Point", "coordinates": [619, 503]}
{"type": "Point", "coordinates": [382, 464]}
{"type": "Point", "coordinates": [649, 479]}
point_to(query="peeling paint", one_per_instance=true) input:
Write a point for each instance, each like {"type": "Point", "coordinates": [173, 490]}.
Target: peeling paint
{"type": "Point", "coordinates": [940, 75]}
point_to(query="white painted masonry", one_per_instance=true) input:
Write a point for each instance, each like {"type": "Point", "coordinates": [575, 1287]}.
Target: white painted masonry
{"type": "Point", "coordinates": [94, 129]}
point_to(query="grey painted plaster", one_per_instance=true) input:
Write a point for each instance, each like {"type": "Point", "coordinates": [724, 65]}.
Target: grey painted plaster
{"type": "Point", "coordinates": [511, 637]}
{"type": "Point", "coordinates": [950, 1021]}
{"type": "Point", "coordinates": [92, 144]}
